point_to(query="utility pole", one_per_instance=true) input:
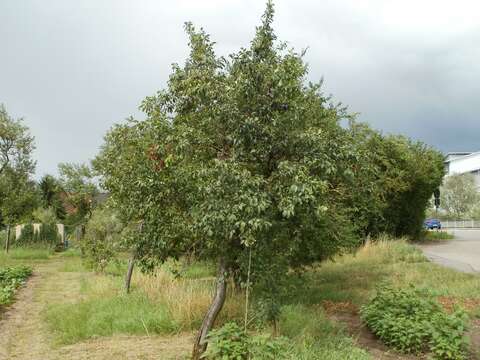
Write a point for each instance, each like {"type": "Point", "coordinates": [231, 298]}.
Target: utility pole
{"type": "Point", "coordinates": [436, 194]}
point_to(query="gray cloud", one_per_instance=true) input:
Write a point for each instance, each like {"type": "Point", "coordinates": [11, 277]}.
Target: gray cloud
{"type": "Point", "coordinates": [72, 69]}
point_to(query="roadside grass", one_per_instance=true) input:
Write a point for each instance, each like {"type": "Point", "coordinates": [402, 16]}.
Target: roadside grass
{"type": "Point", "coordinates": [354, 278]}
{"type": "Point", "coordinates": [434, 236]}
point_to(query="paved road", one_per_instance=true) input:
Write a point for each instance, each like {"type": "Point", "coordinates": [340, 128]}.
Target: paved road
{"type": "Point", "coordinates": [462, 253]}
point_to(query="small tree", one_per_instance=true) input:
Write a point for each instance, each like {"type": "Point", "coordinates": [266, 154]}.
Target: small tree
{"type": "Point", "coordinates": [459, 195]}
{"type": "Point", "coordinates": [16, 144]}
{"type": "Point", "coordinates": [18, 194]}
{"type": "Point", "coordinates": [241, 156]}
{"type": "Point", "coordinates": [51, 190]}
{"type": "Point", "coordinates": [80, 191]}
{"type": "Point", "coordinates": [102, 238]}
{"type": "Point", "coordinates": [233, 155]}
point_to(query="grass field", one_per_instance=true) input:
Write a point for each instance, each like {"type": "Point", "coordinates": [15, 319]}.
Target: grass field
{"type": "Point", "coordinates": [172, 301]}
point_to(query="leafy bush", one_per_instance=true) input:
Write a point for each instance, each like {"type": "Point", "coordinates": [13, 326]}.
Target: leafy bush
{"type": "Point", "coordinates": [412, 321]}
{"type": "Point", "coordinates": [231, 342]}
{"type": "Point", "coordinates": [27, 235]}
{"type": "Point", "coordinates": [103, 238]}
{"type": "Point", "coordinates": [10, 280]}
{"type": "Point", "coordinates": [46, 235]}
{"type": "Point", "coordinates": [45, 216]}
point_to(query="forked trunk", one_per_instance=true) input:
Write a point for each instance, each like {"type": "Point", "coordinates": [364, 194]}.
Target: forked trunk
{"type": "Point", "coordinates": [128, 277]}
{"type": "Point", "coordinates": [201, 344]}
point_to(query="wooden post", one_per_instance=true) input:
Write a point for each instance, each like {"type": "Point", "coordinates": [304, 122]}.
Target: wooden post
{"type": "Point", "coordinates": [128, 277]}
{"type": "Point", "coordinates": [7, 242]}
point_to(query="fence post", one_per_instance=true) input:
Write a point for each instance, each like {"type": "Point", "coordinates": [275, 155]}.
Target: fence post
{"type": "Point", "coordinates": [7, 242]}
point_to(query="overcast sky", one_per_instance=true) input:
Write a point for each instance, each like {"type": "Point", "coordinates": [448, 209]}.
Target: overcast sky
{"type": "Point", "coordinates": [74, 68]}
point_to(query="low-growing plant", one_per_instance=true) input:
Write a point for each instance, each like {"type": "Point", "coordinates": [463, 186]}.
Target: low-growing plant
{"type": "Point", "coordinates": [231, 342]}
{"type": "Point", "coordinates": [412, 321]}
{"type": "Point", "coordinates": [10, 280]}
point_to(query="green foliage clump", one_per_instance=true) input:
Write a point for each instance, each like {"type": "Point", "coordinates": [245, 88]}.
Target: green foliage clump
{"type": "Point", "coordinates": [10, 280]}
{"type": "Point", "coordinates": [102, 239]}
{"type": "Point", "coordinates": [412, 321]}
{"type": "Point", "coordinates": [232, 343]}
{"type": "Point", "coordinates": [18, 192]}
{"type": "Point", "coordinates": [459, 196]}
{"type": "Point", "coordinates": [47, 235]}
{"type": "Point", "coordinates": [27, 236]}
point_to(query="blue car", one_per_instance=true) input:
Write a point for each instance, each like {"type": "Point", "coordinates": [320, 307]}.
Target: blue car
{"type": "Point", "coordinates": [431, 224]}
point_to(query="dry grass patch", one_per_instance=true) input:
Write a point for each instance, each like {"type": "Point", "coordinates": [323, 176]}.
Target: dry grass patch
{"type": "Point", "coordinates": [159, 304]}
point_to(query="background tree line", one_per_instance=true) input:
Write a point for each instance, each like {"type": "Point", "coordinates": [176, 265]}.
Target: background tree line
{"type": "Point", "coordinates": [68, 199]}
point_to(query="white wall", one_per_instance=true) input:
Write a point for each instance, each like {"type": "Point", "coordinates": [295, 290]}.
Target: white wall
{"type": "Point", "coordinates": [466, 164]}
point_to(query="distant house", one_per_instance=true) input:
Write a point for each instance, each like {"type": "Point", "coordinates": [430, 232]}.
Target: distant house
{"type": "Point", "coordinates": [70, 209]}
{"type": "Point", "coordinates": [464, 163]}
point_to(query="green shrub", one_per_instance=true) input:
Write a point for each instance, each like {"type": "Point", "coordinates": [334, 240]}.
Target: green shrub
{"type": "Point", "coordinates": [10, 280]}
{"type": "Point", "coordinates": [232, 343]}
{"type": "Point", "coordinates": [27, 235]}
{"type": "Point", "coordinates": [412, 321]}
{"type": "Point", "coordinates": [103, 239]}
{"type": "Point", "coordinates": [47, 236]}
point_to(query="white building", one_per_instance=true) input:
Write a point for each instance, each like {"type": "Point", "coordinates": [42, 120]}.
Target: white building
{"type": "Point", "coordinates": [463, 163]}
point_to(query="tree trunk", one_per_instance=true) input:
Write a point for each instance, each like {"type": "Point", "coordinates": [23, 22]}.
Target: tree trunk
{"type": "Point", "coordinates": [201, 344]}
{"type": "Point", "coordinates": [128, 277]}
{"type": "Point", "coordinates": [7, 241]}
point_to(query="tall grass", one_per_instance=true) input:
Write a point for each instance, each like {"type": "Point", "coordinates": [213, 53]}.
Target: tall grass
{"type": "Point", "coordinates": [133, 314]}
{"type": "Point", "coordinates": [20, 254]}
{"type": "Point", "coordinates": [315, 337]}
{"type": "Point", "coordinates": [164, 303]}
{"type": "Point", "coordinates": [354, 278]}
{"type": "Point", "coordinates": [159, 304]}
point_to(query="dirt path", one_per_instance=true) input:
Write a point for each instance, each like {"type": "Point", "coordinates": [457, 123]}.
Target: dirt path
{"type": "Point", "coordinates": [24, 335]}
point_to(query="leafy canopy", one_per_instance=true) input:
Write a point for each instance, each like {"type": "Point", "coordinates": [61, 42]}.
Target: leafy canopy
{"type": "Point", "coordinates": [235, 153]}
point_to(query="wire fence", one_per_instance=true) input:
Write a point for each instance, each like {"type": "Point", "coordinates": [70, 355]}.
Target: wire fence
{"type": "Point", "coordinates": [460, 224]}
